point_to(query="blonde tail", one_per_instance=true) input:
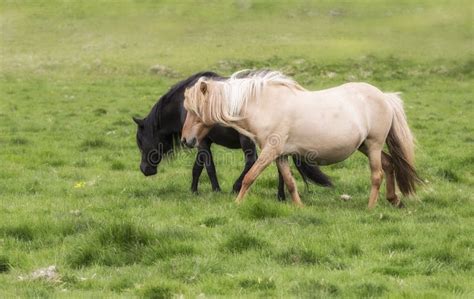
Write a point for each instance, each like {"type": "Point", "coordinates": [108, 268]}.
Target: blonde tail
{"type": "Point", "coordinates": [401, 146]}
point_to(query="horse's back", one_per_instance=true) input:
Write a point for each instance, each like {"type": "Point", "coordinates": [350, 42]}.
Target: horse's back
{"type": "Point", "coordinates": [333, 122]}
{"type": "Point", "coordinates": [358, 98]}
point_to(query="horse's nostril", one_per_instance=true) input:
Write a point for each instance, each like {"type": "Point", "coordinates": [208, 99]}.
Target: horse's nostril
{"type": "Point", "coordinates": [189, 143]}
{"type": "Point", "coordinates": [183, 140]}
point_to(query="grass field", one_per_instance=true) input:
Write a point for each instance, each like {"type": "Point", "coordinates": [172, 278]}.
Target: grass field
{"type": "Point", "coordinates": [73, 73]}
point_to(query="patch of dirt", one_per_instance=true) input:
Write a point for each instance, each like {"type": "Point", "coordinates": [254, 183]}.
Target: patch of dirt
{"type": "Point", "coordinates": [49, 274]}
{"type": "Point", "coordinates": [162, 70]}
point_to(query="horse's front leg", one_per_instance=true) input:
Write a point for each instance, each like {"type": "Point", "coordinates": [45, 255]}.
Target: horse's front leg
{"type": "Point", "coordinates": [210, 166]}
{"type": "Point", "coordinates": [266, 157]}
{"type": "Point", "coordinates": [284, 169]}
{"type": "Point", "coordinates": [204, 158]}
{"type": "Point", "coordinates": [250, 152]}
{"type": "Point", "coordinates": [197, 170]}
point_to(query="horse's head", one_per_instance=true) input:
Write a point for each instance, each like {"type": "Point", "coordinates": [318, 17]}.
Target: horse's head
{"type": "Point", "coordinates": [194, 128]}
{"type": "Point", "coordinates": [152, 145]}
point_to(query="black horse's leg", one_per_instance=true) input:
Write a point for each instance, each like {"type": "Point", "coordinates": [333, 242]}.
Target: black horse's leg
{"type": "Point", "coordinates": [250, 152]}
{"type": "Point", "coordinates": [197, 170]}
{"type": "Point", "coordinates": [209, 163]}
{"type": "Point", "coordinates": [297, 161]}
{"type": "Point", "coordinates": [281, 187]}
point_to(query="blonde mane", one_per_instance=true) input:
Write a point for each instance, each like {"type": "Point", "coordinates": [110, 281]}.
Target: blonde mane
{"type": "Point", "coordinates": [225, 101]}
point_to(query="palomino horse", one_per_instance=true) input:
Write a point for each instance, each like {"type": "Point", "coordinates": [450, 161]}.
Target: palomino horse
{"type": "Point", "coordinates": [325, 126]}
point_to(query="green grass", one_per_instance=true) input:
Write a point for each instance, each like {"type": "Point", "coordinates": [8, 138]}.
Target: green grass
{"type": "Point", "coordinates": [74, 73]}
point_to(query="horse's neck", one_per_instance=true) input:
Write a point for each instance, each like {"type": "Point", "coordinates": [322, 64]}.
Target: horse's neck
{"type": "Point", "coordinates": [171, 116]}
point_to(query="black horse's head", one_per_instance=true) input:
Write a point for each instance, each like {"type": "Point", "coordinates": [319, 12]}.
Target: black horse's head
{"type": "Point", "coordinates": [153, 145]}
{"type": "Point", "coordinates": [161, 129]}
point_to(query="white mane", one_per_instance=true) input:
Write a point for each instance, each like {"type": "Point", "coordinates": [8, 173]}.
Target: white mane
{"type": "Point", "coordinates": [245, 85]}
{"type": "Point", "coordinates": [224, 102]}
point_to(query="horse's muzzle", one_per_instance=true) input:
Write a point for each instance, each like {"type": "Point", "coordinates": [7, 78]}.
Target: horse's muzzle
{"type": "Point", "coordinates": [148, 170]}
{"type": "Point", "coordinates": [189, 143]}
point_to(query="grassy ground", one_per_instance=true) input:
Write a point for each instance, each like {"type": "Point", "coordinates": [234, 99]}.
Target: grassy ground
{"type": "Point", "coordinates": [73, 74]}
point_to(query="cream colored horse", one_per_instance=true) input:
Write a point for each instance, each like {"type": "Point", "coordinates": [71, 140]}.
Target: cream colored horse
{"type": "Point", "coordinates": [324, 126]}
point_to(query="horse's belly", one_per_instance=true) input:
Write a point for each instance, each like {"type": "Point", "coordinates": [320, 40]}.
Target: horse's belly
{"type": "Point", "coordinates": [325, 146]}
{"type": "Point", "coordinates": [327, 157]}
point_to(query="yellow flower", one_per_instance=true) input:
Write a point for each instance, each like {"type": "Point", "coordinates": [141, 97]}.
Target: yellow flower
{"type": "Point", "coordinates": [80, 185]}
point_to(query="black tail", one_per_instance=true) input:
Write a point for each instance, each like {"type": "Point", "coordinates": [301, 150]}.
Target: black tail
{"type": "Point", "coordinates": [311, 173]}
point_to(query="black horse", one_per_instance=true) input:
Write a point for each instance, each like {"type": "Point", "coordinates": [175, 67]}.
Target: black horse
{"type": "Point", "coordinates": [160, 131]}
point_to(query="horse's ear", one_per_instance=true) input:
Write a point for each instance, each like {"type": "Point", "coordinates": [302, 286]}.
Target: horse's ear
{"type": "Point", "coordinates": [203, 87]}
{"type": "Point", "coordinates": [138, 121]}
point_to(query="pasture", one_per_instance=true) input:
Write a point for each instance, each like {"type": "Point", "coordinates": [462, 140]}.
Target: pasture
{"type": "Point", "coordinates": [72, 75]}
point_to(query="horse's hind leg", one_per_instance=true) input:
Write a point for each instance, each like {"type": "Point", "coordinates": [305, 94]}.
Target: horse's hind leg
{"type": "Point", "coordinates": [284, 169]}
{"type": "Point", "coordinates": [374, 152]}
{"type": "Point", "coordinates": [390, 181]}
{"type": "Point", "coordinates": [281, 187]}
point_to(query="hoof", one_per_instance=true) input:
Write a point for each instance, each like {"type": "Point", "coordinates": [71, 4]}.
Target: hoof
{"type": "Point", "coordinates": [299, 204]}
{"type": "Point", "coordinates": [217, 189]}
{"type": "Point", "coordinates": [397, 203]}
{"type": "Point", "coordinates": [281, 197]}
{"type": "Point", "coordinates": [400, 205]}
{"type": "Point", "coordinates": [237, 186]}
